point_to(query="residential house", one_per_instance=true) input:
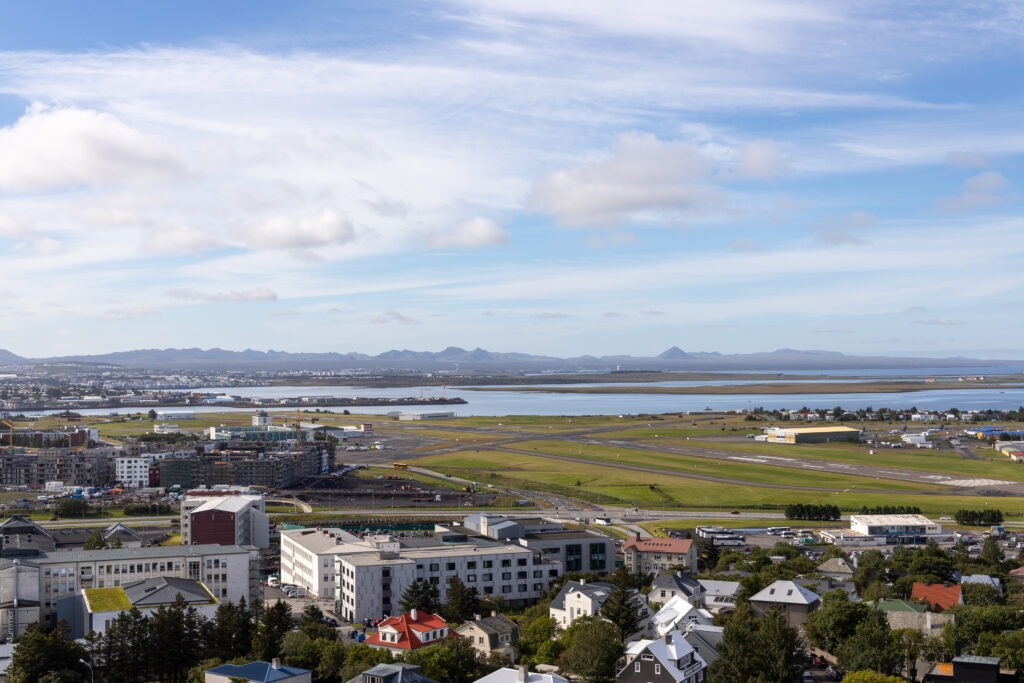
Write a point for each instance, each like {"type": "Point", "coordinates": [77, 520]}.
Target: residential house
{"type": "Point", "coordinates": [585, 599]}
{"type": "Point", "coordinates": [669, 659]}
{"type": "Point", "coordinates": [970, 669]}
{"type": "Point", "coordinates": [938, 596]}
{"type": "Point", "coordinates": [719, 596]}
{"type": "Point", "coordinates": [392, 673]}
{"type": "Point", "coordinates": [258, 672]}
{"type": "Point", "coordinates": [983, 580]}
{"type": "Point", "coordinates": [839, 568]}
{"type": "Point", "coordinates": [667, 586]}
{"type": "Point", "coordinates": [496, 633]}
{"type": "Point", "coordinates": [659, 555]}
{"type": "Point", "coordinates": [520, 675]}
{"type": "Point", "coordinates": [793, 600]}
{"type": "Point", "coordinates": [705, 639]}
{"type": "Point", "coordinates": [676, 614]}
{"type": "Point", "coordinates": [408, 632]}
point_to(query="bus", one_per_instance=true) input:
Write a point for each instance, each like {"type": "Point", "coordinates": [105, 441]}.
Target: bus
{"type": "Point", "coordinates": [400, 466]}
{"type": "Point", "coordinates": [778, 530]}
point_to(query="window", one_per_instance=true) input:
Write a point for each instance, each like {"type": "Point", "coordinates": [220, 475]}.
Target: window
{"type": "Point", "coordinates": [521, 562]}
{"type": "Point", "coordinates": [488, 577]}
{"type": "Point", "coordinates": [657, 669]}
{"type": "Point", "coordinates": [488, 564]}
{"type": "Point", "coordinates": [506, 589]}
{"type": "Point", "coordinates": [435, 567]}
{"type": "Point", "coordinates": [471, 565]}
{"type": "Point", "coordinates": [521, 575]}
{"type": "Point", "coordinates": [471, 578]}
{"type": "Point", "coordinates": [506, 563]}
{"type": "Point", "coordinates": [538, 587]}
{"type": "Point", "coordinates": [552, 572]}
{"type": "Point", "coordinates": [522, 588]}
{"type": "Point", "coordinates": [488, 590]}
{"type": "Point", "coordinates": [537, 573]}
{"type": "Point", "coordinates": [647, 657]}
{"type": "Point", "coordinates": [636, 667]}
{"type": "Point", "coordinates": [450, 566]}
{"type": "Point", "coordinates": [506, 576]}
{"type": "Point", "coordinates": [574, 557]}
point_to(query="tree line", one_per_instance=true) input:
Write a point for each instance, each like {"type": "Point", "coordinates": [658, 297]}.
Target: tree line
{"type": "Point", "coordinates": [978, 517]}
{"type": "Point", "coordinates": [890, 510]}
{"type": "Point", "coordinates": [812, 512]}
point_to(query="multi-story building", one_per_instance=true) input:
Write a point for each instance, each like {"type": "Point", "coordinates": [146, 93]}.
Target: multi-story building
{"type": "Point", "coordinates": [585, 598]}
{"type": "Point", "coordinates": [307, 558]}
{"type": "Point", "coordinates": [659, 555]}
{"type": "Point", "coordinates": [133, 472]}
{"type": "Point", "coordinates": [227, 520]}
{"type": "Point", "coordinates": [371, 580]}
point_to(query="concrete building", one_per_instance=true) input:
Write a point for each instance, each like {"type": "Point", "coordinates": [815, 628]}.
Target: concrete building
{"type": "Point", "coordinates": [875, 530]}
{"type": "Point", "coordinates": [793, 600]}
{"type": "Point", "coordinates": [227, 520]}
{"type": "Point", "coordinates": [133, 472]}
{"type": "Point", "coordinates": [659, 555]}
{"type": "Point", "coordinates": [372, 575]}
{"type": "Point", "coordinates": [100, 606]}
{"type": "Point", "coordinates": [307, 558]}
{"type": "Point", "coordinates": [669, 659]}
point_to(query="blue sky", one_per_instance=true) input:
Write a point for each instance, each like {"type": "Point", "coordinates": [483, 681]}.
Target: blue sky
{"type": "Point", "coordinates": [520, 175]}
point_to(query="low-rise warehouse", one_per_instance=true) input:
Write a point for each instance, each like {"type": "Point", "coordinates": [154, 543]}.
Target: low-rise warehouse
{"type": "Point", "coordinates": [811, 434]}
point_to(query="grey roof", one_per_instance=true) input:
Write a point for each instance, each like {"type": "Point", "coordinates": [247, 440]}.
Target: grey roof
{"type": "Point", "coordinates": [142, 553]}
{"type": "Point", "coordinates": [786, 592]}
{"type": "Point", "coordinates": [164, 590]}
{"type": "Point", "coordinates": [720, 588]}
{"type": "Point", "coordinates": [983, 579]}
{"type": "Point", "coordinates": [498, 624]}
{"type": "Point", "coordinates": [394, 673]}
{"type": "Point", "coordinates": [597, 590]}
{"type": "Point", "coordinates": [977, 659]}
{"type": "Point", "coordinates": [680, 581]}
{"type": "Point", "coordinates": [837, 565]}
{"type": "Point", "coordinates": [16, 524]}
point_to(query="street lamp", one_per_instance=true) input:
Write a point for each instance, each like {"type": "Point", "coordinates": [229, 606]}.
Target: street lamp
{"type": "Point", "coordinates": [92, 676]}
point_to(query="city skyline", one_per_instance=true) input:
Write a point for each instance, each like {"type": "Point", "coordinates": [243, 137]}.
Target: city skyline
{"type": "Point", "coordinates": [558, 179]}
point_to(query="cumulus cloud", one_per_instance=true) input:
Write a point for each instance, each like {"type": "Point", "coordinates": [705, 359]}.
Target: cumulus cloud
{"type": "Point", "coordinates": [977, 192]}
{"type": "Point", "coordinates": [471, 234]}
{"type": "Point", "coordinates": [294, 232]}
{"type": "Point", "coordinates": [180, 240]}
{"type": "Point", "coordinates": [642, 174]}
{"type": "Point", "coordinates": [392, 316]}
{"type": "Point", "coordinates": [50, 148]}
{"type": "Point", "coordinates": [258, 294]}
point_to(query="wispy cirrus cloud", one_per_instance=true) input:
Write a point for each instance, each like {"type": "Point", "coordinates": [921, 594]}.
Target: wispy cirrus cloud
{"type": "Point", "coordinates": [258, 294]}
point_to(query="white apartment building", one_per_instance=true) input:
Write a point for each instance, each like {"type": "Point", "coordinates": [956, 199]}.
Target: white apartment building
{"type": "Point", "coordinates": [307, 558]}
{"type": "Point", "coordinates": [370, 582]}
{"type": "Point", "coordinates": [133, 472]}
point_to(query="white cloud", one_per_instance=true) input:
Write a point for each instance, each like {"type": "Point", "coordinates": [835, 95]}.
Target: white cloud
{"type": "Point", "coordinates": [392, 316]}
{"type": "Point", "coordinates": [642, 174]}
{"type": "Point", "coordinates": [471, 234]}
{"type": "Point", "coordinates": [941, 322]}
{"type": "Point", "coordinates": [291, 232]}
{"type": "Point", "coordinates": [552, 315]}
{"type": "Point", "coordinates": [258, 294]}
{"type": "Point", "coordinates": [979, 191]}
{"type": "Point", "coordinates": [50, 148]}
{"type": "Point", "coordinates": [966, 159]}
{"type": "Point", "coordinates": [762, 160]}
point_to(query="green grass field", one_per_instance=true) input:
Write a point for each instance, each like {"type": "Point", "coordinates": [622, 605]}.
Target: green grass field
{"type": "Point", "coordinates": [605, 484]}
{"type": "Point", "coordinates": [768, 474]}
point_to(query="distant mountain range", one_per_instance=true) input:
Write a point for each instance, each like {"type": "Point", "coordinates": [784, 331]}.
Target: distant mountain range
{"type": "Point", "coordinates": [480, 360]}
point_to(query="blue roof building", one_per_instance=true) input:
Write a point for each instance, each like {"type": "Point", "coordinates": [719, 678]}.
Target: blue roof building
{"type": "Point", "coordinates": [258, 672]}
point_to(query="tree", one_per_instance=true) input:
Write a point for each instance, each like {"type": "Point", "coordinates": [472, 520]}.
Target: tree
{"type": "Point", "coordinates": [229, 634]}
{"type": "Point", "coordinates": [274, 623]}
{"type": "Point", "coordinates": [126, 646]}
{"type": "Point", "coordinates": [594, 651]}
{"type": "Point", "coordinates": [453, 660]}
{"type": "Point", "coordinates": [152, 414]}
{"type": "Point", "coordinates": [39, 654]}
{"type": "Point", "coordinates": [910, 642]}
{"type": "Point", "coordinates": [95, 541]}
{"type": "Point", "coordinates": [778, 644]}
{"type": "Point", "coordinates": [736, 661]}
{"type": "Point", "coordinates": [539, 640]}
{"type": "Point", "coordinates": [981, 594]}
{"type": "Point", "coordinates": [871, 647]}
{"type": "Point", "coordinates": [461, 603]}
{"type": "Point", "coordinates": [835, 622]}
{"type": "Point", "coordinates": [870, 677]}
{"type": "Point", "coordinates": [312, 624]}
{"type": "Point", "coordinates": [420, 595]}
{"type": "Point", "coordinates": [990, 552]}
{"type": "Point", "coordinates": [622, 608]}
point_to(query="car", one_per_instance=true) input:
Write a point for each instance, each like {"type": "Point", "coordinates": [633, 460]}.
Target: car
{"type": "Point", "coordinates": [808, 677]}
{"type": "Point", "coordinates": [735, 512]}
{"type": "Point", "coordinates": [945, 519]}
{"type": "Point", "coordinates": [54, 518]}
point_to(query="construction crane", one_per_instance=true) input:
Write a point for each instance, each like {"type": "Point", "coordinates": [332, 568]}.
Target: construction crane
{"type": "Point", "coordinates": [298, 444]}
{"type": "Point", "coordinates": [10, 435]}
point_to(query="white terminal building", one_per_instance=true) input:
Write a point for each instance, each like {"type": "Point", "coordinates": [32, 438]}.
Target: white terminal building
{"type": "Point", "coordinates": [871, 530]}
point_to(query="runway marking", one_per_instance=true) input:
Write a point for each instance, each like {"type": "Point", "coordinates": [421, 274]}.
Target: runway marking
{"type": "Point", "coordinates": [736, 457]}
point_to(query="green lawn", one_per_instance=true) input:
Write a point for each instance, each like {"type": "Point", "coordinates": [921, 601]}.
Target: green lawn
{"type": "Point", "coordinates": [107, 599]}
{"type": "Point", "coordinates": [604, 484]}
{"type": "Point", "coordinates": [768, 474]}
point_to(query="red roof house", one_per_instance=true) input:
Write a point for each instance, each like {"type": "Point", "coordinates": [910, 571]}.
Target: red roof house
{"type": "Point", "coordinates": [659, 555]}
{"type": "Point", "coordinates": [408, 632]}
{"type": "Point", "coordinates": [939, 596]}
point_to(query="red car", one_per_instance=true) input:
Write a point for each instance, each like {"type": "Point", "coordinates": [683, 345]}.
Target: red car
{"type": "Point", "coordinates": [735, 512]}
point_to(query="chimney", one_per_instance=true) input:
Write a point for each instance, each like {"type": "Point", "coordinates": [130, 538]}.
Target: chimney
{"type": "Point", "coordinates": [413, 614]}
{"type": "Point", "coordinates": [476, 617]}
{"type": "Point", "coordinates": [668, 638]}
{"type": "Point", "coordinates": [275, 663]}
{"type": "Point", "coordinates": [638, 535]}
{"type": "Point", "coordinates": [583, 582]}
{"type": "Point", "coordinates": [945, 584]}
{"type": "Point", "coordinates": [521, 676]}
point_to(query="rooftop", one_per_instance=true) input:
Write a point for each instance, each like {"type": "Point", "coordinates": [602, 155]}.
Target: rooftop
{"type": "Point", "coordinates": [142, 553]}
{"type": "Point", "coordinates": [265, 672]}
{"type": "Point", "coordinates": [667, 545]}
{"type": "Point", "coordinates": [937, 594]}
{"type": "Point", "coordinates": [787, 592]}
{"type": "Point", "coordinates": [890, 520]}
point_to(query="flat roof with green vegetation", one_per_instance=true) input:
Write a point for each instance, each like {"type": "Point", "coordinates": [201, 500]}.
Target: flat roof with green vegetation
{"type": "Point", "coordinates": [106, 599]}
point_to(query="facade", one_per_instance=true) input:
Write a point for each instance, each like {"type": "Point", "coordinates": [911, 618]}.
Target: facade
{"type": "Point", "coordinates": [372, 575]}
{"type": "Point", "coordinates": [794, 601]}
{"type": "Point", "coordinates": [677, 614]}
{"type": "Point", "coordinates": [667, 586]}
{"type": "Point", "coordinates": [720, 596]}
{"type": "Point", "coordinates": [496, 633]}
{"type": "Point", "coordinates": [307, 558]}
{"type": "Point", "coordinates": [133, 472]}
{"type": "Point", "coordinates": [970, 669]}
{"type": "Point", "coordinates": [585, 599]}
{"type": "Point", "coordinates": [408, 632]}
{"type": "Point", "coordinates": [227, 520]}
{"type": "Point", "coordinates": [812, 434]}
{"type": "Point", "coordinates": [669, 659]}
{"type": "Point", "coordinates": [874, 530]}
{"type": "Point", "coordinates": [659, 555]}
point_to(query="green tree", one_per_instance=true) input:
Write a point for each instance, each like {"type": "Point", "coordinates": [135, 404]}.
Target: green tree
{"type": "Point", "coordinates": [359, 658]}
{"type": "Point", "coordinates": [152, 414]}
{"type": "Point", "coordinates": [453, 660]}
{"type": "Point", "coordinates": [778, 644]}
{"type": "Point", "coordinates": [174, 641]}
{"type": "Point", "coordinates": [594, 651]}
{"type": "Point", "coordinates": [870, 677]}
{"type": "Point", "coordinates": [95, 541]}
{"type": "Point", "coordinates": [312, 624]}
{"type": "Point", "coordinates": [622, 608]}
{"type": "Point", "coordinates": [126, 646]}
{"type": "Point", "coordinates": [536, 636]}
{"type": "Point", "coordinates": [910, 643]}
{"type": "Point", "coordinates": [990, 553]}
{"type": "Point", "coordinates": [461, 603]}
{"type": "Point", "coordinates": [274, 623]}
{"type": "Point", "coordinates": [40, 654]}
{"type": "Point", "coordinates": [755, 651]}
{"type": "Point", "coordinates": [1010, 646]}
{"type": "Point", "coordinates": [229, 634]}
{"type": "Point", "coordinates": [835, 621]}
{"type": "Point", "coordinates": [420, 595]}
{"type": "Point", "coordinates": [871, 647]}
{"type": "Point", "coordinates": [981, 594]}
